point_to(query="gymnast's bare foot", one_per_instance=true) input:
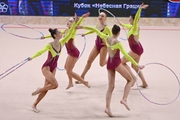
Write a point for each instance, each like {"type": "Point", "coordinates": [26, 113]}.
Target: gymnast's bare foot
{"type": "Point", "coordinates": [87, 84]}
{"type": "Point", "coordinates": [108, 112]}
{"type": "Point", "coordinates": [78, 82]}
{"type": "Point", "coordinates": [125, 104]}
{"type": "Point", "coordinates": [35, 109]}
{"type": "Point", "coordinates": [144, 86]}
{"type": "Point", "coordinates": [36, 92]}
{"type": "Point", "coordinates": [69, 86]}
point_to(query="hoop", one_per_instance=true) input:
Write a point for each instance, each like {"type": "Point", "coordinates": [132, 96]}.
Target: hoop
{"type": "Point", "coordinates": [2, 27]}
{"type": "Point", "coordinates": [154, 101]}
{"type": "Point", "coordinates": [10, 70]}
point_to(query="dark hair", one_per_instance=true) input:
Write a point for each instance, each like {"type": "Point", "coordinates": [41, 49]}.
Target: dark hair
{"type": "Point", "coordinates": [53, 31]}
{"type": "Point", "coordinates": [133, 16]}
{"type": "Point", "coordinates": [115, 29]}
{"type": "Point", "coordinates": [104, 12]}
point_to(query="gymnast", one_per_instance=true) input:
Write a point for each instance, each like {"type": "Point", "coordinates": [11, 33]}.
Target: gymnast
{"type": "Point", "coordinates": [49, 67]}
{"type": "Point", "coordinates": [73, 52]}
{"type": "Point", "coordinates": [114, 64]}
{"type": "Point", "coordinates": [136, 49]}
{"type": "Point", "coordinates": [73, 55]}
{"type": "Point", "coordinates": [99, 47]}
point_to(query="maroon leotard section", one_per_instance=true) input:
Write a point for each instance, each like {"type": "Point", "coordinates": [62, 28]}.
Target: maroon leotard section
{"type": "Point", "coordinates": [51, 61]}
{"type": "Point", "coordinates": [114, 61]}
{"type": "Point", "coordinates": [71, 49]}
{"type": "Point", "coordinates": [99, 43]}
{"type": "Point", "coordinates": [135, 46]}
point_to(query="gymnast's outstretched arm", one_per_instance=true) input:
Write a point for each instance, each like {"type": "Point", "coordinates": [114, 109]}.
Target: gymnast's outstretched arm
{"type": "Point", "coordinates": [40, 52]}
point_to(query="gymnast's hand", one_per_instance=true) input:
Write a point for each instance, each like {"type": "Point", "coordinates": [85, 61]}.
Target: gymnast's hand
{"type": "Point", "coordinates": [86, 14]}
{"type": "Point", "coordinates": [29, 58]}
{"type": "Point", "coordinates": [140, 66]}
{"type": "Point", "coordinates": [76, 17]}
{"type": "Point", "coordinates": [143, 6]}
{"type": "Point", "coordinates": [42, 37]}
{"type": "Point", "coordinates": [82, 35]}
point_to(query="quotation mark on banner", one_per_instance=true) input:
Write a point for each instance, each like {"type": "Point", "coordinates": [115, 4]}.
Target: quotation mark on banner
{"type": "Point", "coordinates": [174, 1]}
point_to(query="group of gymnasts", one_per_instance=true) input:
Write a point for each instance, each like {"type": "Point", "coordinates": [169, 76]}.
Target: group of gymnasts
{"type": "Point", "coordinates": [106, 42]}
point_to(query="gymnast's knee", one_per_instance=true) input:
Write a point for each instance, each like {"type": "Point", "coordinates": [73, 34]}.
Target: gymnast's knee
{"type": "Point", "coordinates": [130, 79]}
{"type": "Point", "coordinates": [111, 87]}
{"type": "Point", "coordinates": [69, 72]}
{"type": "Point", "coordinates": [89, 62]}
{"type": "Point", "coordinates": [55, 85]}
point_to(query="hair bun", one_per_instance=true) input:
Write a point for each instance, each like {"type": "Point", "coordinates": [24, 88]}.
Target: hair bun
{"type": "Point", "coordinates": [115, 26]}
{"type": "Point", "coordinates": [50, 30]}
{"type": "Point", "coordinates": [115, 29]}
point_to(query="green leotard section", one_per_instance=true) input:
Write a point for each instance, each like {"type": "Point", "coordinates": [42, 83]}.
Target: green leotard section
{"type": "Point", "coordinates": [49, 36]}
{"type": "Point", "coordinates": [99, 33]}
{"type": "Point", "coordinates": [63, 31]}
{"type": "Point", "coordinates": [116, 46]}
{"type": "Point", "coordinates": [47, 47]}
{"type": "Point", "coordinates": [62, 42]}
{"type": "Point", "coordinates": [89, 32]}
{"type": "Point", "coordinates": [106, 31]}
{"type": "Point", "coordinates": [133, 29]}
{"type": "Point", "coordinates": [70, 33]}
{"type": "Point", "coordinates": [77, 24]}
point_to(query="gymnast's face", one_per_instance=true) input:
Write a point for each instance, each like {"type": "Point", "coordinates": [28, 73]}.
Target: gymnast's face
{"type": "Point", "coordinates": [58, 35]}
{"type": "Point", "coordinates": [131, 20]}
{"type": "Point", "coordinates": [102, 17]}
{"type": "Point", "coordinates": [70, 22]}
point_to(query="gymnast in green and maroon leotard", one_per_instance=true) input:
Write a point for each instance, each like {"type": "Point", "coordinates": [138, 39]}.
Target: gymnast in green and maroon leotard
{"type": "Point", "coordinates": [72, 50]}
{"type": "Point", "coordinates": [114, 64]}
{"type": "Point", "coordinates": [49, 67]}
{"type": "Point", "coordinates": [134, 43]}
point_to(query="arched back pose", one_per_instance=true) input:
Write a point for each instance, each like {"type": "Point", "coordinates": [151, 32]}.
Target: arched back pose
{"type": "Point", "coordinates": [114, 64]}
{"type": "Point", "coordinates": [100, 47]}
{"type": "Point", "coordinates": [134, 43]}
{"type": "Point", "coordinates": [49, 67]}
